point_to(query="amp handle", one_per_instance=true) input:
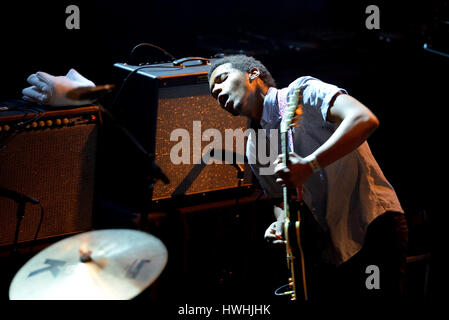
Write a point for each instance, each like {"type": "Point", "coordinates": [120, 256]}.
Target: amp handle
{"type": "Point", "coordinates": [179, 62]}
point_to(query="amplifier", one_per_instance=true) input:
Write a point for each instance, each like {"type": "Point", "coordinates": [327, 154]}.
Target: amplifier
{"type": "Point", "coordinates": [48, 154]}
{"type": "Point", "coordinates": [168, 106]}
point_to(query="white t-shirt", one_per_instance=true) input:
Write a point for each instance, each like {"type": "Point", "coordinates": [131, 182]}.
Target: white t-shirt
{"type": "Point", "coordinates": [345, 196]}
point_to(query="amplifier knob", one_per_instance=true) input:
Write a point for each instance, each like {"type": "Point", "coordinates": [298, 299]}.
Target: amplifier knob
{"type": "Point", "coordinates": [58, 122]}
{"type": "Point", "coordinates": [6, 127]}
{"type": "Point", "coordinates": [65, 121]}
{"type": "Point", "coordinates": [49, 123]}
{"type": "Point", "coordinates": [34, 124]}
{"type": "Point", "coordinates": [41, 123]}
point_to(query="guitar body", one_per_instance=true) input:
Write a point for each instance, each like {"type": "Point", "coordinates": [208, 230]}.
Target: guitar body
{"type": "Point", "coordinates": [296, 261]}
{"type": "Point", "coordinates": [304, 244]}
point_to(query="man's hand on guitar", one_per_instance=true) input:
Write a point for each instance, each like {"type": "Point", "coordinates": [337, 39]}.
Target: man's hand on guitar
{"type": "Point", "coordinates": [295, 174]}
{"type": "Point", "coordinates": [274, 233]}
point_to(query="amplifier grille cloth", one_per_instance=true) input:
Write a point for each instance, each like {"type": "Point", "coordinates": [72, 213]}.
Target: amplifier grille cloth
{"type": "Point", "coordinates": [181, 112]}
{"type": "Point", "coordinates": [55, 166]}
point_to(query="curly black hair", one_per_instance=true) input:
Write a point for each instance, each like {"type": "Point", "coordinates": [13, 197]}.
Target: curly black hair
{"type": "Point", "coordinates": [245, 64]}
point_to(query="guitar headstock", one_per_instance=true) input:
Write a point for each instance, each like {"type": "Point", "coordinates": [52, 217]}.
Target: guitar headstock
{"type": "Point", "coordinates": [294, 109]}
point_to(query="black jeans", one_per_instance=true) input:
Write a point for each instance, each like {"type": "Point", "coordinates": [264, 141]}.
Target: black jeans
{"type": "Point", "coordinates": [384, 248]}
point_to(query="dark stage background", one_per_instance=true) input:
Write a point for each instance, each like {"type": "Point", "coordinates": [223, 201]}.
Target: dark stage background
{"type": "Point", "coordinates": [386, 69]}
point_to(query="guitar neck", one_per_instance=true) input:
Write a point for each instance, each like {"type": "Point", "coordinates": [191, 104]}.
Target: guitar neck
{"type": "Point", "coordinates": [288, 193]}
{"type": "Point", "coordinates": [285, 190]}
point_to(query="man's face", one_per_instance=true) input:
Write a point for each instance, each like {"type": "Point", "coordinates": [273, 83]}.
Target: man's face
{"type": "Point", "coordinates": [232, 89]}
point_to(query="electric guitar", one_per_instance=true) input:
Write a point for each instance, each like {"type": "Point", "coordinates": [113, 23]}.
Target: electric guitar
{"type": "Point", "coordinates": [292, 207]}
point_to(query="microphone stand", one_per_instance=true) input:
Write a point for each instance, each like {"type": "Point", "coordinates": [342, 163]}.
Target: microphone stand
{"type": "Point", "coordinates": [20, 216]}
{"type": "Point", "coordinates": [97, 95]}
{"type": "Point", "coordinates": [155, 172]}
{"type": "Point", "coordinates": [21, 201]}
{"type": "Point", "coordinates": [240, 177]}
{"type": "Point", "coordinates": [240, 173]}
{"type": "Point", "coordinates": [227, 276]}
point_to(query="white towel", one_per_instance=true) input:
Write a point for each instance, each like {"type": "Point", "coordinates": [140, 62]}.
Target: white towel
{"type": "Point", "coordinates": [50, 90]}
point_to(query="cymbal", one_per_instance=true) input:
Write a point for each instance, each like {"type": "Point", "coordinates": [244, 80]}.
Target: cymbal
{"type": "Point", "coordinates": [109, 264]}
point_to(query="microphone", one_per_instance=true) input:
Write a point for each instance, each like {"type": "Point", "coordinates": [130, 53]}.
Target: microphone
{"type": "Point", "coordinates": [16, 196]}
{"type": "Point", "coordinates": [89, 93]}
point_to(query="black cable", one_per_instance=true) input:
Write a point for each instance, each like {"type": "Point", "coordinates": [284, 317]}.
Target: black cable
{"type": "Point", "coordinates": [20, 126]}
{"type": "Point", "coordinates": [284, 293]}
{"type": "Point", "coordinates": [143, 67]}
{"type": "Point", "coordinates": [39, 114]}
{"type": "Point", "coordinates": [40, 222]}
{"type": "Point", "coordinates": [38, 228]}
{"type": "Point", "coordinates": [134, 72]}
{"type": "Point", "coordinates": [146, 44]}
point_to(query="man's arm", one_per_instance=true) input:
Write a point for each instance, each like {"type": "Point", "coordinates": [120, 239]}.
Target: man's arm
{"type": "Point", "coordinates": [355, 124]}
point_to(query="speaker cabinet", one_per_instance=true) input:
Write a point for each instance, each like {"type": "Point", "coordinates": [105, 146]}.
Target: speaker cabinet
{"type": "Point", "coordinates": [49, 155]}
{"type": "Point", "coordinates": [159, 104]}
